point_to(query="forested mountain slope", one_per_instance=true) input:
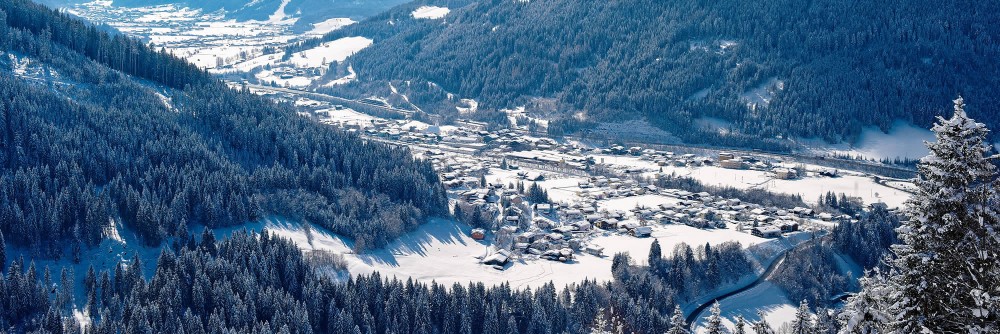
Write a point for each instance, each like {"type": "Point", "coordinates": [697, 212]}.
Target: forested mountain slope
{"type": "Point", "coordinates": [814, 69]}
{"type": "Point", "coordinates": [89, 137]}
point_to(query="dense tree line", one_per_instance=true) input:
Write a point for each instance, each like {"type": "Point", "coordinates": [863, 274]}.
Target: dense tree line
{"type": "Point", "coordinates": [944, 276]}
{"type": "Point", "coordinates": [811, 273]}
{"type": "Point", "coordinates": [106, 145]}
{"type": "Point", "coordinates": [693, 272]}
{"type": "Point", "coordinates": [644, 297]}
{"type": "Point", "coordinates": [841, 65]}
{"type": "Point", "coordinates": [867, 241]}
{"type": "Point", "coordinates": [262, 284]}
{"type": "Point", "coordinates": [753, 195]}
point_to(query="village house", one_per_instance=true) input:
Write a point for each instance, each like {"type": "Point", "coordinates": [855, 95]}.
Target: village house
{"type": "Point", "coordinates": [641, 231]}
{"type": "Point", "coordinates": [785, 173]}
{"type": "Point", "coordinates": [766, 231]}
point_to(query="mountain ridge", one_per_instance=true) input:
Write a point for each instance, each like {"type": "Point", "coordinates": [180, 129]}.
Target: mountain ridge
{"type": "Point", "coordinates": [781, 69]}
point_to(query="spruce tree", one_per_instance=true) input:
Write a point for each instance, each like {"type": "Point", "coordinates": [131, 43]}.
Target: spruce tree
{"type": "Point", "coordinates": [949, 262]}
{"type": "Point", "coordinates": [655, 253]}
{"type": "Point", "coordinates": [677, 323]}
{"type": "Point", "coordinates": [824, 322]}
{"type": "Point", "coordinates": [869, 311]}
{"type": "Point", "coordinates": [761, 326]}
{"type": "Point", "coordinates": [491, 324]}
{"type": "Point", "coordinates": [740, 326]}
{"type": "Point", "coordinates": [802, 324]}
{"type": "Point", "coordinates": [715, 320]}
{"type": "Point", "coordinates": [3, 253]}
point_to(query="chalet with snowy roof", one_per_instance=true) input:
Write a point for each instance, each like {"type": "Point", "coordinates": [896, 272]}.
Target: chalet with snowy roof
{"type": "Point", "coordinates": [478, 234]}
{"type": "Point", "coordinates": [788, 226]}
{"type": "Point", "coordinates": [594, 250]}
{"type": "Point", "coordinates": [641, 231]}
{"type": "Point", "coordinates": [766, 231]}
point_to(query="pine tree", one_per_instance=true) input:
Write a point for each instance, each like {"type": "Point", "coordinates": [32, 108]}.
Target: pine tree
{"type": "Point", "coordinates": [655, 254]}
{"type": "Point", "coordinates": [677, 324]}
{"type": "Point", "coordinates": [802, 324]}
{"type": "Point", "coordinates": [740, 326]}
{"type": "Point", "coordinates": [715, 320]}
{"type": "Point", "coordinates": [870, 310]}
{"type": "Point", "coordinates": [824, 322]}
{"type": "Point", "coordinates": [512, 325]}
{"type": "Point", "coordinates": [491, 325]}
{"type": "Point", "coordinates": [3, 253]}
{"type": "Point", "coordinates": [459, 215]}
{"type": "Point", "coordinates": [949, 262]}
{"type": "Point", "coordinates": [600, 325]}
{"type": "Point", "coordinates": [761, 326]}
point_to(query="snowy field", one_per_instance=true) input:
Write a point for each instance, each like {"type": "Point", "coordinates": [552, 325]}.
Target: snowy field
{"type": "Point", "coordinates": [430, 12]}
{"type": "Point", "coordinates": [442, 251]}
{"type": "Point", "coordinates": [322, 28]}
{"type": "Point", "coordinates": [345, 117]}
{"type": "Point", "coordinates": [332, 51]}
{"type": "Point", "coordinates": [904, 140]}
{"type": "Point", "coordinates": [809, 187]}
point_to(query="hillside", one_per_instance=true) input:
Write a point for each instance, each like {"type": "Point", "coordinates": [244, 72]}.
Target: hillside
{"type": "Point", "coordinates": [96, 127]}
{"type": "Point", "coordinates": [762, 69]}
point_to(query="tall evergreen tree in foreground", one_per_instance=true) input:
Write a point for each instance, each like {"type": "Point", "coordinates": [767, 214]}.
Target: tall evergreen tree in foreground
{"type": "Point", "coordinates": [949, 262]}
{"type": "Point", "coordinates": [946, 274]}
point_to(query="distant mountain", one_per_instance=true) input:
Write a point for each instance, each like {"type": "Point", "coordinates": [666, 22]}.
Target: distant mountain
{"type": "Point", "coordinates": [95, 127]}
{"type": "Point", "coordinates": [764, 69]}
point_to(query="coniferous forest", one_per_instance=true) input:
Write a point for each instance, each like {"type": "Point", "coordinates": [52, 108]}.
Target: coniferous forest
{"type": "Point", "coordinates": [104, 144]}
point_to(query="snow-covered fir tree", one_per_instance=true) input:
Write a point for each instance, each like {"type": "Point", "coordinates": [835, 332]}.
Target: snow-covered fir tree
{"type": "Point", "coordinates": [677, 323]}
{"type": "Point", "coordinates": [825, 322]}
{"type": "Point", "coordinates": [761, 326]}
{"type": "Point", "coordinates": [949, 262]}
{"type": "Point", "coordinates": [870, 310]}
{"type": "Point", "coordinates": [802, 324]}
{"type": "Point", "coordinates": [601, 325]}
{"type": "Point", "coordinates": [715, 321]}
{"type": "Point", "coordinates": [741, 325]}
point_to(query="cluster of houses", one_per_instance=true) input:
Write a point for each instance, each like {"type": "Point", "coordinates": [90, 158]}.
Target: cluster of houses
{"type": "Point", "coordinates": [404, 131]}
{"type": "Point", "coordinates": [561, 231]}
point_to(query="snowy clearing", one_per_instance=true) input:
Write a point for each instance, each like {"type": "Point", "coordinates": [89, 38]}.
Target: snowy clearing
{"type": "Point", "coordinates": [442, 251]}
{"type": "Point", "coordinates": [766, 297]}
{"type": "Point", "coordinates": [329, 25]}
{"type": "Point", "coordinates": [430, 12]}
{"type": "Point", "coordinates": [904, 140]}
{"type": "Point", "coordinates": [336, 50]}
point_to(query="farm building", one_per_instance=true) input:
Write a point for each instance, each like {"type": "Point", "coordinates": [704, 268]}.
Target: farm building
{"type": "Point", "coordinates": [785, 173]}
{"type": "Point", "coordinates": [641, 231]}
{"type": "Point", "coordinates": [498, 258]}
{"type": "Point", "coordinates": [735, 163]}
{"type": "Point", "coordinates": [594, 250]}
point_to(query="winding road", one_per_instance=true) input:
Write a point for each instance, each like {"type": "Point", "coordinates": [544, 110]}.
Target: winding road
{"type": "Point", "coordinates": [693, 317]}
